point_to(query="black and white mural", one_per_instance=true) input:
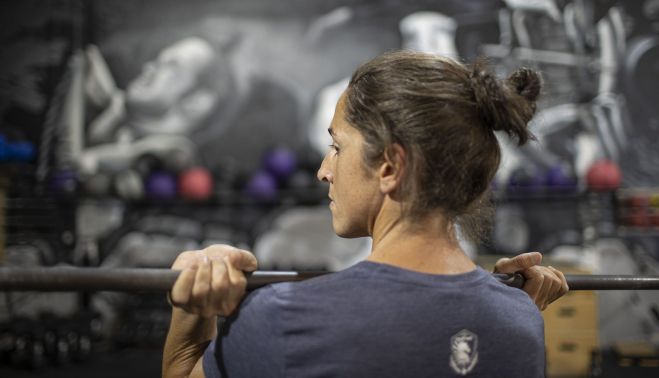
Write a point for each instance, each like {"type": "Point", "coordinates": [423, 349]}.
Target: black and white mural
{"type": "Point", "coordinates": [213, 82]}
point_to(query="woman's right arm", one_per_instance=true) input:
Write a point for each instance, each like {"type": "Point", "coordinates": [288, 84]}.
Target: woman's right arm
{"type": "Point", "coordinates": [211, 283]}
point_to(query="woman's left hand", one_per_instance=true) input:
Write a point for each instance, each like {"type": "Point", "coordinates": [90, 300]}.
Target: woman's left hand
{"type": "Point", "coordinates": [544, 284]}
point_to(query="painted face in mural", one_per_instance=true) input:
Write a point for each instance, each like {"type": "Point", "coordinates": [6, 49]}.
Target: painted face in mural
{"type": "Point", "coordinates": [169, 96]}
{"type": "Point", "coordinates": [353, 188]}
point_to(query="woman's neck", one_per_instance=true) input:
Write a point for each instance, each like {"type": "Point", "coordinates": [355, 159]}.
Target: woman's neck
{"type": "Point", "coordinates": [428, 245]}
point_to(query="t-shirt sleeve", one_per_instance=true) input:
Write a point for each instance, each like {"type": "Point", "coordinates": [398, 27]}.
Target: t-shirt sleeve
{"type": "Point", "coordinates": [249, 343]}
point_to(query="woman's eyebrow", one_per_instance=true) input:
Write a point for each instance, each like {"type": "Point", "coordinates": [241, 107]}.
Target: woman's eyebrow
{"type": "Point", "coordinates": [332, 133]}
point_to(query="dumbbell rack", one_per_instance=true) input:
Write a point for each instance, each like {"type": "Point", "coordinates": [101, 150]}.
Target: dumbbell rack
{"type": "Point", "coordinates": [38, 229]}
{"type": "Point", "coordinates": [30, 216]}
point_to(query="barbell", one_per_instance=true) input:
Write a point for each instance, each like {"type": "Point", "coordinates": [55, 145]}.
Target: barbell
{"type": "Point", "coordinates": [150, 279]}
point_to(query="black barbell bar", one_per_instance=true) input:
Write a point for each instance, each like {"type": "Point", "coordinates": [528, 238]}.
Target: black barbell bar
{"type": "Point", "coordinates": [149, 279]}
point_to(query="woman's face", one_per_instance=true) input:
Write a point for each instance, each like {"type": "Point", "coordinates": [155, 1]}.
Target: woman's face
{"type": "Point", "coordinates": [353, 188]}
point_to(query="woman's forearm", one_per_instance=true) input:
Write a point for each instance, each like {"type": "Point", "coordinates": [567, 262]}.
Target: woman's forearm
{"type": "Point", "coordinates": [187, 339]}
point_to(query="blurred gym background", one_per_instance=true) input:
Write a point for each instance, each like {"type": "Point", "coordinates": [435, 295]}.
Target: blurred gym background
{"type": "Point", "coordinates": [133, 130]}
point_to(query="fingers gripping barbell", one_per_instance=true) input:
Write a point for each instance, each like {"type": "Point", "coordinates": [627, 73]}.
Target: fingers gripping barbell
{"type": "Point", "coordinates": [143, 279]}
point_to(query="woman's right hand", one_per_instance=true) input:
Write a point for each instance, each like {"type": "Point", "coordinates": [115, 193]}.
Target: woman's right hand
{"type": "Point", "coordinates": [212, 281]}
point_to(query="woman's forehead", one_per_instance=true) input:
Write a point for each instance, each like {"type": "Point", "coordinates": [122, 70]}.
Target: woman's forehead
{"type": "Point", "coordinates": [338, 122]}
{"type": "Point", "coordinates": [340, 129]}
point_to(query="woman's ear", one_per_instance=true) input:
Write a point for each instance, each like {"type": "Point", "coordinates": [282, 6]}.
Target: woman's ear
{"type": "Point", "coordinates": [392, 169]}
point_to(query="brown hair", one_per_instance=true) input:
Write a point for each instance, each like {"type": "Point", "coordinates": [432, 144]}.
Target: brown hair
{"type": "Point", "coordinates": [444, 114]}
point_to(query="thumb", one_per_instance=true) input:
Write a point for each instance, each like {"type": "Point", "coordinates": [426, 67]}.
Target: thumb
{"type": "Point", "coordinates": [243, 260]}
{"type": "Point", "coordinates": [520, 262]}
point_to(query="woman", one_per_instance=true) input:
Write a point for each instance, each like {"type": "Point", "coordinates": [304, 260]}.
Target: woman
{"type": "Point", "coordinates": [413, 155]}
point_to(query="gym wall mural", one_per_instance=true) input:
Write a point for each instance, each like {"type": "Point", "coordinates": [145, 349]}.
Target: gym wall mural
{"type": "Point", "coordinates": [163, 100]}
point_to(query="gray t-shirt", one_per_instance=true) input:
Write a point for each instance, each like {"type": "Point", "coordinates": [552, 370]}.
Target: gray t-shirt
{"type": "Point", "coordinates": [377, 320]}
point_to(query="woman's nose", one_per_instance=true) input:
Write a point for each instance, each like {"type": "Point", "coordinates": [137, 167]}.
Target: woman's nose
{"type": "Point", "coordinates": [324, 174]}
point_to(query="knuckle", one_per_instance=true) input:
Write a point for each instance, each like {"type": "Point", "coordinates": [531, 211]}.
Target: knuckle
{"type": "Point", "coordinates": [216, 250]}
{"type": "Point", "coordinates": [199, 292]}
{"type": "Point", "coordinates": [190, 255]}
{"type": "Point", "coordinates": [532, 272]}
{"type": "Point", "coordinates": [220, 285]}
{"type": "Point", "coordinates": [240, 281]}
{"type": "Point", "coordinates": [540, 279]}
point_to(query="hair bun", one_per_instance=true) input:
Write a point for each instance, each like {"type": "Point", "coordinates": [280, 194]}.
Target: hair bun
{"type": "Point", "coordinates": [506, 106]}
{"type": "Point", "coordinates": [487, 93]}
{"type": "Point", "coordinates": [526, 82]}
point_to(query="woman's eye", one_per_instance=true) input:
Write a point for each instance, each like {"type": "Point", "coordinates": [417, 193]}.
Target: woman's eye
{"type": "Point", "coordinates": [334, 147]}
